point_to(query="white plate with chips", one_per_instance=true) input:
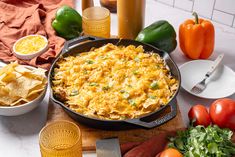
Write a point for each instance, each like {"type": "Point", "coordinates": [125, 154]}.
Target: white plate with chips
{"type": "Point", "coordinates": [22, 88]}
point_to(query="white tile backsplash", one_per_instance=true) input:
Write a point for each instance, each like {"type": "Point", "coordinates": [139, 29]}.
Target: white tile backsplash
{"type": "Point", "coordinates": [184, 4]}
{"type": "Point", "coordinates": [204, 7]}
{"type": "Point", "coordinates": [227, 6]}
{"type": "Point", "coordinates": [222, 11]}
{"type": "Point", "coordinates": [169, 2]}
{"type": "Point", "coordinates": [222, 17]}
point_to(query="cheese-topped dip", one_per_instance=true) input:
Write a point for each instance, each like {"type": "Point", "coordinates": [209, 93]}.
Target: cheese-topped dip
{"type": "Point", "coordinates": [114, 82]}
{"type": "Point", "coordinates": [30, 44]}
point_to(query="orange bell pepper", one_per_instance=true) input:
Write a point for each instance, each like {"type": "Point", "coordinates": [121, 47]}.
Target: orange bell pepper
{"type": "Point", "coordinates": [197, 38]}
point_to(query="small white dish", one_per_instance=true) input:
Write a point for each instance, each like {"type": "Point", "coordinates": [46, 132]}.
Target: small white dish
{"type": "Point", "coordinates": [31, 55]}
{"type": "Point", "coordinates": [24, 108]}
{"type": "Point", "coordinates": [220, 84]}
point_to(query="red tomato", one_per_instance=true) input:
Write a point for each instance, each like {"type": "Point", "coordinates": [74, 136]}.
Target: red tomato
{"type": "Point", "coordinates": [170, 152]}
{"type": "Point", "coordinates": [200, 114]}
{"type": "Point", "coordinates": [222, 112]}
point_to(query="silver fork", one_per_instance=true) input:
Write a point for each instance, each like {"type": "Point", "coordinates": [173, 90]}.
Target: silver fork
{"type": "Point", "coordinates": [200, 86]}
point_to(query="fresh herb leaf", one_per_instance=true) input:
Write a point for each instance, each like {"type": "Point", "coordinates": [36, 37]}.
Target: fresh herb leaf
{"type": "Point", "coordinates": [204, 142]}
{"type": "Point", "coordinates": [212, 148]}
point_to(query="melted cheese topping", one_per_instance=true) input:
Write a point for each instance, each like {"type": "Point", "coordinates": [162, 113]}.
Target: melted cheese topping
{"type": "Point", "coordinates": [30, 44]}
{"type": "Point", "coordinates": [113, 82]}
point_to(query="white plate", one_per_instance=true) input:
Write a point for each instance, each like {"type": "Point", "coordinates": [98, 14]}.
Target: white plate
{"type": "Point", "coordinates": [221, 83]}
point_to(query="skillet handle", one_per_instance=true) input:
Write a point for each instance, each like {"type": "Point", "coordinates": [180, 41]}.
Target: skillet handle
{"type": "Point", "coordinates": [76, 41]}
{"type": "Point", "coordinates": [158, 121]}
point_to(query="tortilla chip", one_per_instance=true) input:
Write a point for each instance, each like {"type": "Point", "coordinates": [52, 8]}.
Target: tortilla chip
{"type": "Point", "coordinates": [20, 84]}
{"type": "Point", "coordinates": [19, 102]}
{"type": "Point", "coordinates": [35, 91]}
{"type": "Point", "coordinates": [32, 97]}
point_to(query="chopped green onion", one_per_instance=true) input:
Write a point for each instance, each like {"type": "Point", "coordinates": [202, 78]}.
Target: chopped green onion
{"type": "Point", "coordinates": [85, 72]}
{"type": "Point", "coordinates": [137, 59]}
{"type": "Point", "coordinates": [74, 92]}
{"type": "Point", "coordinates": [132, 102]}
{"type": "Point", "coordinates": [158, 66]}
{"type": "Point", "coordinates": [122, 91]}
{"type": "Point", "coordinates": [152, 97]}
{"type": "Point", "coordinates": [135, 72]}
{"type": "Point", "coordinates": [89, 62]}
{"type": "Point", "coordinates": [126, 95]}
{"type": "Point", "coordinates": [93, 84]}
{"type": "Point", "coordinates": [129, 85]}
{"type": "Point", "coordinates": [123, 117]}
{"type": "Point", "coordinates": [105, 88]}
{"type": "Point", "coordinates": [154, 85]}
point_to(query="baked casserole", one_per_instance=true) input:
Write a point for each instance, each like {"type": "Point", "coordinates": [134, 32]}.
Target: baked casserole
{"type": "Point", "coordinates": [113, 82]}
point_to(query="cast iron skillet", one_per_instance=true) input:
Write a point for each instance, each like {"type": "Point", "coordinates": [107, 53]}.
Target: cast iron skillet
{"type": "Point", "coordinates": [150, 120]}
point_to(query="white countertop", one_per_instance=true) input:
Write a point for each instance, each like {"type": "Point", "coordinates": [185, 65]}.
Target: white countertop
{"type": "Point", "coordinates": [19, 135]}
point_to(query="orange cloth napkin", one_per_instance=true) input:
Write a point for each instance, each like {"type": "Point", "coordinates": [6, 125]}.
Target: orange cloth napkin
{"type": "Point", "coordinates": [25, 17]}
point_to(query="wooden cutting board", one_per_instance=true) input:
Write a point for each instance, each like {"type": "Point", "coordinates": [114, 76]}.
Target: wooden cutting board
{"type": "Point", "coordinates": [90, 135]}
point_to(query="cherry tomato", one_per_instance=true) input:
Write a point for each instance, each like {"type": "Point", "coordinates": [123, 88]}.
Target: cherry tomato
{"type": "Point", "coordinates": [199, 115]}
{"type": "Point", "coordinates": [222, 112]}
{"type": "Point", "coordinates": [170, 152]}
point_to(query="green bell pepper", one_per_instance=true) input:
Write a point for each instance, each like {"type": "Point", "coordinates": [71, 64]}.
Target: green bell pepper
{"type": "Point", "coordinates": [67, 23]}
{"type": "Point", "coordinates": [160, 34]}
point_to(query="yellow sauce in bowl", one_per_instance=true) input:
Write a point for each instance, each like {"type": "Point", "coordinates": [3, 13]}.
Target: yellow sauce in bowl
{"type": "Point", "coordinates": [30, 44]}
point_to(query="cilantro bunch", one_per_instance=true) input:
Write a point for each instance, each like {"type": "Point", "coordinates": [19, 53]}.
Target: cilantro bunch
{"type": "Point", "coordinates": [204, 142]}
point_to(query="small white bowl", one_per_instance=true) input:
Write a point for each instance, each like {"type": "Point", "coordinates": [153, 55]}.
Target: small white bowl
{"type": "Point", "coordinates": [24, 108]}
{"type": "Point", "coordinates": [31, 55]}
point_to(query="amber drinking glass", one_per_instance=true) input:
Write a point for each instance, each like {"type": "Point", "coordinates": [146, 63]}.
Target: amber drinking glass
{"type": "Point", "coordinates": [60, 139]}
{"type": "Point", "coordinates": [96, 22]}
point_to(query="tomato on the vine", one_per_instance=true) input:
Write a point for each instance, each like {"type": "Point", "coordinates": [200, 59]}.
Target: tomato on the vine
{"type": "Point", "coordinates": [222, 113]}
{"type": "Point", "coordinates": [199, 115]}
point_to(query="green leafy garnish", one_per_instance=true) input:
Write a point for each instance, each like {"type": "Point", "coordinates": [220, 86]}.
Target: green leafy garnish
{"type": "Point", "coordinates": [154, 85]}
{"type": "Point", "coordinates": [204, 142]}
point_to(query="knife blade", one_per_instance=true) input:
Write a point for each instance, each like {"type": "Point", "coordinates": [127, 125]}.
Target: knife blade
{"type": "Point", "coordinates": [108, 148]}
